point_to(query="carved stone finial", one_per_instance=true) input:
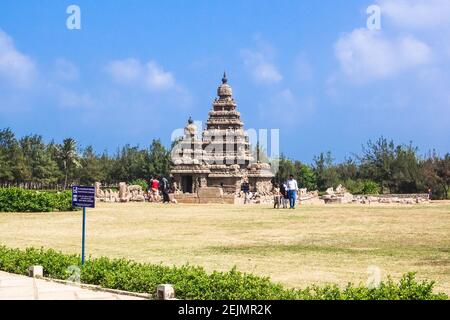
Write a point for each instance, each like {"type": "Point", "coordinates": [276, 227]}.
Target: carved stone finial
{"type": "Point", "coordinates": [224, 79]}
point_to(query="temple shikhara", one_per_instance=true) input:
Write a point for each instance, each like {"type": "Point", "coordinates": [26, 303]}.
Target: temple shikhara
{"type": "Point", "coordinates": [219, 161]}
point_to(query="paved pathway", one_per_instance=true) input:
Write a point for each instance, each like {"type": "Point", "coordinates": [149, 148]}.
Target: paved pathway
{"type": "Point", "coordinates": [16, 287]}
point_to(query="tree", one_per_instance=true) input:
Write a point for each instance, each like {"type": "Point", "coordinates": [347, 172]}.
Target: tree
{"type": "Point", "coordinates": [159, 159]}
{"type": "Point", "coordinates": [301, 172]}
{"type": "Point", "coordinates": [5, 165]}
{"type": "Point", "coordinates": [68, 156]}
{"type": "Point", "coordinates": [436, 175]}
{"type": "Point", "coordinates": [444, 174]}
{"type": "Point", "coordinates": [305, 176]}
{"type": "Point", "coordinates": [377, 161]}
{"type": "Point", "coordinates": [39, 162]}
{"type": "Point", "coordinates": [5, 168]}
{"type": "Point", "coordinates": [15, 168]}
{"type": "Point", "coordinates": [285, 169]}
{"type": "Point", "coordinates": [405, 170]}
{"type": "Point", "coordinates": [91, 169]}
{"type": "Point", "coordinates": [30, 162]}
{"type": "Point", "coordinates": [348, 170]}
{"type": "Point", "coordinates": [325, 171]}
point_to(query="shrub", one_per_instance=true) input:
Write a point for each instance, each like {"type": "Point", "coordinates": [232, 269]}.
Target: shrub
{"type": "Point", "coordinates": [21, 200]}
{"type": "Point", "coordinates": [370, 187]}
{"type": "Point", "coordinates": [354, 186]}
{"type": "Point", "coordinates": [140, 182]}
{"type": "Point", "coordinates": [194, 283]}
{"type": "Point", "coordinates": [361, 186]}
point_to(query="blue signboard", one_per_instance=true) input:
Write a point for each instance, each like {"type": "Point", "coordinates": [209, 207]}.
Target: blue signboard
{"type": "Point", "coordinates": [83, 197]}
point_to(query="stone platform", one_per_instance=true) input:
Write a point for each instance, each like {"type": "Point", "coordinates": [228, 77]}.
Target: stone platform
{"type": "Point", "coordinates": [205, 196]}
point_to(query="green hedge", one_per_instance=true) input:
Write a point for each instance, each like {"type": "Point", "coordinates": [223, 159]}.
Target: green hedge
{"type": "Point", "coordinates": [21, 200]}
{"type": "Point", "coordinates": [194, 283]}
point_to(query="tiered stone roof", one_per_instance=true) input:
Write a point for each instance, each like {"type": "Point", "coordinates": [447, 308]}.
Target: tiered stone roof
{"type": "Point", "coordinates": [223, 142]}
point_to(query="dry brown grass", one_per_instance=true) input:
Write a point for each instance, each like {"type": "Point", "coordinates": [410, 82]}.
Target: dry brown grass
{"type": "Point", "coordinates": [314, 244]}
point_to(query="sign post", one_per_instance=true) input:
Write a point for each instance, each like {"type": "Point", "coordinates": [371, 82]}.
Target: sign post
{"type": "Point", "coordinates": [83, 237]}
{"type": "Point", "coordinates": [83, 197]}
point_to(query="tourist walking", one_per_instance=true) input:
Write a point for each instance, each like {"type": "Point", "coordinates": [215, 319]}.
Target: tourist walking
{"type": "Point", "coordinates": [165, 190]}
{"type": "Point", "coordinates": [149, 189]}
{"type": "Point", "coordinates": [292, 189]}
{"type": "Point", "coordinates": [284, 194]}
{"type": "Point", "coordinates": [245, 188]}
{"type": "Point", "coordinates": [155, 187]}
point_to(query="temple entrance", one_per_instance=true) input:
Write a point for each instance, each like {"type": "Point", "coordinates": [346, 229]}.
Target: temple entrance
{"type": "Point", "coordinates": [186, 184]}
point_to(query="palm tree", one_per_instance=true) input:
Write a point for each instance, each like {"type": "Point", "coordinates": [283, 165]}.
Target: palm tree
{"type": "Point", "coordinates": [67, 153]}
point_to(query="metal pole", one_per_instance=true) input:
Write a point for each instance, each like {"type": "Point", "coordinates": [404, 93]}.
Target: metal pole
{"type": "Point", "coordinates": [83, 239]}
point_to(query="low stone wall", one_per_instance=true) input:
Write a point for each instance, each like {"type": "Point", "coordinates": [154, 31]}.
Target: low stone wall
{"type": "Point", "coordinates": [392, 199]}
{"type": "Point", "coordinates": [209, 195]}
{"type": "Point", "coordinates": [402, 196]}
{"type": "Point", "coordinates": [186, 198]}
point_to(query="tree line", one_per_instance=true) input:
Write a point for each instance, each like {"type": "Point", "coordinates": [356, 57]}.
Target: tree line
{"type": "Point", "coordinates": [382, 166]}
{"type": "Point", "coordinates": [31, 163]}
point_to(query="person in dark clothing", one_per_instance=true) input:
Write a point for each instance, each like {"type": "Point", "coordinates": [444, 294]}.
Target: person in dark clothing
{"type": "Point", "coordinates": [164, 185]}
{"type": "Point", "coordinates": [284, 193]}
{"type": "Point", "coordinates": [245, 188]}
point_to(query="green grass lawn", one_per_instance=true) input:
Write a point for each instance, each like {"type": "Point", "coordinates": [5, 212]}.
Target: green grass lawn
{"type": "Point", "coordinates": [313, 244]}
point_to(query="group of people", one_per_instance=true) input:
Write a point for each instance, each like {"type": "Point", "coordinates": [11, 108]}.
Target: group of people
{"type": "Point", "coordinates": [157, 185]}
{"type": "Point", "coordinates": [287, 194]}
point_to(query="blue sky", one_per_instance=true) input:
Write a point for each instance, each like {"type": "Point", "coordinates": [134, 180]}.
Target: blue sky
{"type": "Point", "coordinates": [138, 69]}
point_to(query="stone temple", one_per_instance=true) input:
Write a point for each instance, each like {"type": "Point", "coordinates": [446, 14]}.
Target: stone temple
{"type": "Point", "coordinates": [218, 160]}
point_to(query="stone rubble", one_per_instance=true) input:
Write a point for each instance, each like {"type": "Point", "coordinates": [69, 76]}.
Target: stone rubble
{"type": "Point", "coordinates": [132, 193]}
{"type": "Point", "coordinates": [340, 195]}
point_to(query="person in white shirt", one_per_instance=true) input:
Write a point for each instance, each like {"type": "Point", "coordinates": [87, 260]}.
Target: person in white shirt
{"type": "Point", "coordinates": [292, 189]}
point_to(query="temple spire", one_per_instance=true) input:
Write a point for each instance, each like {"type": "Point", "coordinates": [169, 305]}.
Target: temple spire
{"type": "Point", "coordinates": [224, 79]}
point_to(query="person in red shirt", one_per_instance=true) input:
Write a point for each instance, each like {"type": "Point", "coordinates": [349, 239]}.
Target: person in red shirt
{"type": "Point", "coordinates": [155, 186]}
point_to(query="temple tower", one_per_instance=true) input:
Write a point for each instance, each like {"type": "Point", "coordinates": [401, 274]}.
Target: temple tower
{"type": "Point", "coordinates": [224, 140]}
{"type": "Point", "coordinates": [222, 156]}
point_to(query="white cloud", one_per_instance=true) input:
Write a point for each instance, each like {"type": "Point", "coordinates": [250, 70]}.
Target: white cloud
{"type": "Point", "coordinates": [124, 71]}
{"type": "Point", "coordinates": [156, 78]}
{"type": "Point", "coordinates": [65, 70]}
{"type": "Point", "coordinates": [262, 70]}
{"type": "Point", "coordinates": [414, 37]}
{"type": "Point", "coordinates": [417, 14]}
{"type": "Point", "coordinates": [149, 76]}
{"type": "Point", "coordinates": [72, 99]}
{"type": "Point", "coordinates": [365, 55]}
{"type": "Point", "coordinates": [15, 67]}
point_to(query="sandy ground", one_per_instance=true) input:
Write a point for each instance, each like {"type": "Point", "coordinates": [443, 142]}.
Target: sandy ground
{"type": "Point", "coordinates": [311, 245]}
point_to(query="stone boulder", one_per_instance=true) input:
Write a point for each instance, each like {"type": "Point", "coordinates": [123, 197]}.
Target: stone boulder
{"type": "Point", "coordinates": [341, 189]}
{"type": "Point", "coordinates": [135, 193]}
{"type": "Point", "coordinates": [123, 192]}
{"type": "Point", "coordinates": [98, 191]}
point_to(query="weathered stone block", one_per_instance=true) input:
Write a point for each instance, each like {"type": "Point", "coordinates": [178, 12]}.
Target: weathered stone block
{"type": "Point", "coordinates": [210, 192]}
{"type": "Point", "coordinates": [36, 271]}
{"type": "Point", "coordinates": [165, 292]}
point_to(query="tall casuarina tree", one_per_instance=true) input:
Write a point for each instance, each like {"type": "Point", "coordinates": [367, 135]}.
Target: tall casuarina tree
{"type": "Point", "coordinates": [69, 158]}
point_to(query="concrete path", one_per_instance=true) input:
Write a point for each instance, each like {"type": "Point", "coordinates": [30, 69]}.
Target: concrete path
{"type": "Point", "coordinates": [16, 287]}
